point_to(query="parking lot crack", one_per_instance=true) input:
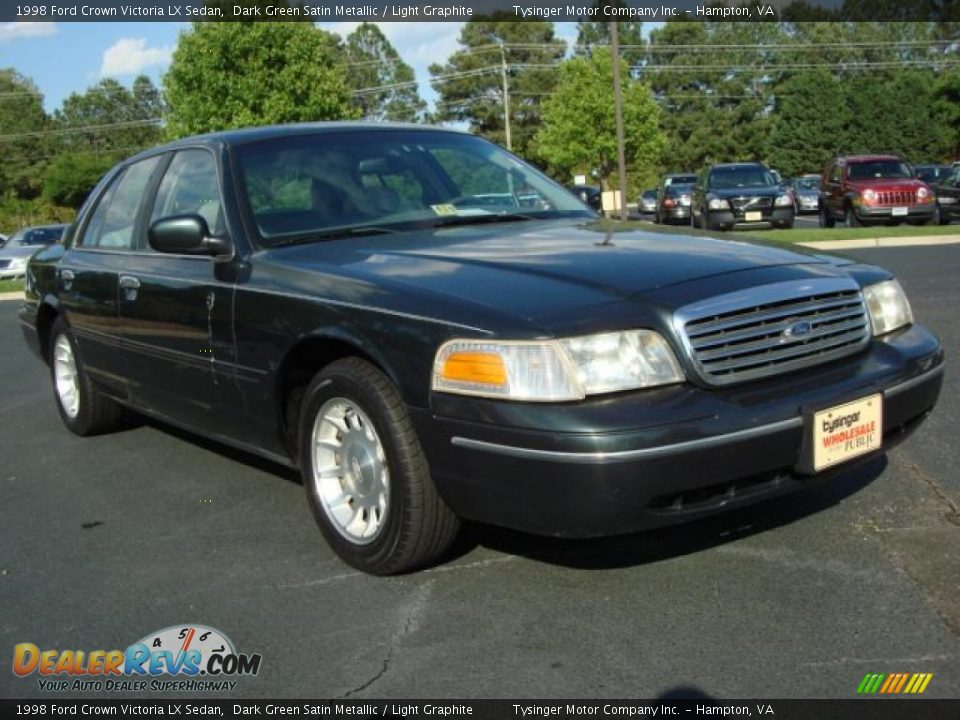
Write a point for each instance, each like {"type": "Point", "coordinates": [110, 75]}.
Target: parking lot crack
{"type": "Point", "coordinates": [411, 621]}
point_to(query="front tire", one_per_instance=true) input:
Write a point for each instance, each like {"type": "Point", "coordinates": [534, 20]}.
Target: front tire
{"type": "Point", "coordinates": [826, 221]}
{"type": "Point", "coordinates": [365, 474]}
{"type": "Point", "coordinates": [852, 220]}
{"type": "Point", "coordinates": [82, 407]}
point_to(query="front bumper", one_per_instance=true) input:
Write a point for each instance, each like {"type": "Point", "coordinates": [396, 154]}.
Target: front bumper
{"type": "Point", "coordinates": [808, 204]}
{"type": "Point", "coordinates": [914, 212]}
{"type": "Point", "coordinates": [738, 218]}
{"type": "Point", "coordinates": [645, 459]}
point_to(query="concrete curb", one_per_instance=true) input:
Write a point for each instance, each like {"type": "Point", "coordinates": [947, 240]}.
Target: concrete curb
{"type": "Point", "coordinates": [11, 296]}
{"type": "Point", "coordinates": [884, 242]}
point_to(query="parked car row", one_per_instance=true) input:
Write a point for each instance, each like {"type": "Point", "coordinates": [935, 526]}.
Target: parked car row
{"type": "Point", "coordinates": [855, 189]}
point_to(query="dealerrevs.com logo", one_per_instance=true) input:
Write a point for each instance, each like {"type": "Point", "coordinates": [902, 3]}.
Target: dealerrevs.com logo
{"type": "Point", "coordinates": [187, 658]}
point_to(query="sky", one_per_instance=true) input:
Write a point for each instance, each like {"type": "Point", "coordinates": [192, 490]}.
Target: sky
{"type": "Point", "coordinates": [62, 58]}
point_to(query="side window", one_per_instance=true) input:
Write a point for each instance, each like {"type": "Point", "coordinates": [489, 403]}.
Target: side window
{"type": "Point", "coordinates": [189, 187]}
{"type": "Point", "coordinates": [92, 232]}
{"type": "Point", "coordinates": [112, 224]}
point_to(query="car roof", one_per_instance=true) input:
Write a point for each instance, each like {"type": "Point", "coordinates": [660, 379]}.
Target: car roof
{"type": "Point", "coordinates": [866, 158]}
{"type": "Point", "coordinates": [269, 132]}
{"type": "Point", "coordinates": [738, 165]}
{"type": "Point", "coordinates": [52, 226]}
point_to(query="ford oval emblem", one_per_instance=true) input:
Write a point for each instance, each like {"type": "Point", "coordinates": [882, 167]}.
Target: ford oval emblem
{"type": "Point", "coordinates": [798, 329]}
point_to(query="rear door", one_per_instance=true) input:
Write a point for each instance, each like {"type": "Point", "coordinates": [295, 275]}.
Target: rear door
{"type": "Point", "coordinates": [89, 273]}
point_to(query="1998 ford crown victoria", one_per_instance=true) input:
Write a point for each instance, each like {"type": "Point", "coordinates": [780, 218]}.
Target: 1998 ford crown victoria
{"type": "Point", "coordinates": [430, 329]}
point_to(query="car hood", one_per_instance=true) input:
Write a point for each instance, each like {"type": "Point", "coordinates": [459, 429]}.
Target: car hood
{"type": "Point", "coordinates": [534, 269]}
{"type": "Point", "coordinates": [887, 184]}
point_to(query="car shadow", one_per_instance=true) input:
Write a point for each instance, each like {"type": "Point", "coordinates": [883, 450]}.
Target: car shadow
{"type": "Point", "coordinates": [609, 552]}
{"type": "Point", "coordinates": [226, 451]}
{"type": "Point", "coordinates": [676, 540]}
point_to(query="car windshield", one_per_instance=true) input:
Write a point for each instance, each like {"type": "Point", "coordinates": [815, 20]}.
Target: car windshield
{"type": "Point", "coordinates": [680, 180]}
{"type": "Point", "coordinates": [734, 178]}
{"type": "Point", "coordinates": [34, 237]}
{"type": "Point", "coordinates": [878, 169]}
{"type": "Point", "coordinates": [807, 183]}
{"type": "Point", "coordinates": [323, 185]}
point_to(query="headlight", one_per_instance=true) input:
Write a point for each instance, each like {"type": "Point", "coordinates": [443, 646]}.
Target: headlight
{"type": "Point", "coordinates": [555, 370]}
{"type": "Point", "coordinates": [718, 204]}
{"type": "Point", "coordinates": [888, 307]}
{"type": "Point", "coordinates": [18, 263]}
{"type": "Point", "coordinates": [869, 195]}
{"type": "Point", "coordinates": [922, 194]}
{"type": "Point", "coordinates": [783, 201]}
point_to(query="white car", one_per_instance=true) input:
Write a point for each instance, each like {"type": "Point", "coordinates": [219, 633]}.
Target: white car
{"type": "Point", "coordinates": [24, 243]}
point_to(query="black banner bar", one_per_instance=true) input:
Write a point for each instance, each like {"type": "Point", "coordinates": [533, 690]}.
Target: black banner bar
{"type": "Point", "coordinates": [858, 709]}
{"type": "Point", "coordinates": [462, 10]}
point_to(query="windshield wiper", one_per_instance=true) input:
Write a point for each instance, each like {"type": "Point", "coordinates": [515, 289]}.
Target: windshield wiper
{"type": "Point", "coordinates": [334, 234]}
{"type": "Point", "coordinates": [481, 219]}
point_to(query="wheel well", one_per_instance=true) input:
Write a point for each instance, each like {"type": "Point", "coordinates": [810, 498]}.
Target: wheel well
{"type": "Point", "coordinates": [304, 361]}
{"type": "Point", "coordinates": [46, 316]}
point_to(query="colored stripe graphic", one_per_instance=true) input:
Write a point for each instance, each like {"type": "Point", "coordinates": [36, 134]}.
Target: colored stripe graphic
{"type": "Point", "coordinates": [894, 683]}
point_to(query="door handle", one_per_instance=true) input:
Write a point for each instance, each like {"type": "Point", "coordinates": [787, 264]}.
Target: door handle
{"type": "Point", "coordinates": [130, 285]}
{"type": "Point", "coordinates": [66, 278]}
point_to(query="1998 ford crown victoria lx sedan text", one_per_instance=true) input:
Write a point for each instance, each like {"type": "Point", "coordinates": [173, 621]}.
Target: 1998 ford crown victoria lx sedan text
{"type": "Point", "coordinates": [430, 329]}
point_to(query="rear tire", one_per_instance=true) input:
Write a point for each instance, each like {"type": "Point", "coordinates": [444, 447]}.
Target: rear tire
{"type": "Point", "coordinates": [365, 474]}
{"type": "Point", "coordinates": [84, 409]}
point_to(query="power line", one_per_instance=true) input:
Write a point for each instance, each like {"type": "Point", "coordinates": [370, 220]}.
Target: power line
{"type": "Point", "coordinates": [81, 129]}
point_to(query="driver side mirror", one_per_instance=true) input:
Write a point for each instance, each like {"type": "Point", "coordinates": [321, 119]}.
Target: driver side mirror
{"type": "Point", "coordinates": [186, 235]}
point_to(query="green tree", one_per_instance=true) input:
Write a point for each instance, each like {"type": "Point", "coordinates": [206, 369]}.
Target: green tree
{"type": "Point", "coordinates": [810, 118]}
{"type": "Point", "coordinates": [23, 143]}
{"type": "Point", "coordinates": [579, 126]}
{"type": "Point", "coordinates": [630, 36]}
{"type": "Point", "coordinates": [470, 82]}
{"type": "Point", "coordinates": [233, 74]}
{"type": "Point", "coordinates": [71, 176]}
{"type": "Point", "coordinates": [116, 121]}
{"type": "Point", "coordinates": [373, 62]}
{"type": "Point", "coordinates": [947, 110]}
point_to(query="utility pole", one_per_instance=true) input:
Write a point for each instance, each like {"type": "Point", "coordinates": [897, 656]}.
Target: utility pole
{"type": "Point", "coordinates": [618, 111]}
{"type": "Point", "coordinates": [506, 97]}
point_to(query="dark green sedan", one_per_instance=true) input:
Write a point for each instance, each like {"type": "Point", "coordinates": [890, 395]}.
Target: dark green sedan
{"type": "Point", "coordinates": [430, 329]}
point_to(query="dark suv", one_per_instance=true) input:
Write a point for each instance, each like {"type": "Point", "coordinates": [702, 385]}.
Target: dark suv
{"type": "Point", "coordinates": [740, 194]}
{"type": "Point", "coordinates": [863, 189]}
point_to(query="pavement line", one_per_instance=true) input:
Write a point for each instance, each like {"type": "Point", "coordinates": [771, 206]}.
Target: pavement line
{"type": "Point", "coordinates": [11, 296]}
{"type": "Point", "coordinates": [882, 242]}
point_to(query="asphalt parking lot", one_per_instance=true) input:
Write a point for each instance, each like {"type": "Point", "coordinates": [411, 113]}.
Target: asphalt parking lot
{"type": "Point", "coordinates": [107, 539]}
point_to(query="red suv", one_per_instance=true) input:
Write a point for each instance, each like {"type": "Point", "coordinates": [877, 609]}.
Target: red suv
{"type": "Point", "coordinates": [862, 189]}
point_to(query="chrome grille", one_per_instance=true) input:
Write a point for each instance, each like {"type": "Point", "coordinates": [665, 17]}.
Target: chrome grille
{"type": "Point", "coordinates": [773, 329]}
{"type": "Point", "coordinates": [896, 197]}
{"type": "Point", "coordinates": [751, 203]}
